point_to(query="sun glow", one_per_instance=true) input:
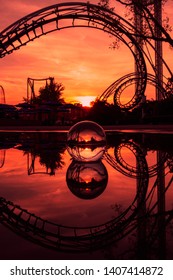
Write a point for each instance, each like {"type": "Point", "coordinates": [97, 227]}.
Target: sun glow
{"type": "Point", "coordinates": [86, 100]}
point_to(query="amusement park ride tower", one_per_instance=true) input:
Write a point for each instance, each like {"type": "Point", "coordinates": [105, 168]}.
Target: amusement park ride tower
{"type": "Point", "coordinates": [139, 24]}
{"type": "Point", "coordinates": [158, 63]}
{"type": "Point", "coordinates": [158, 46]}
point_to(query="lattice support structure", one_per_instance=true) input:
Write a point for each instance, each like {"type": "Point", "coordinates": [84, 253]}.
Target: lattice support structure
{"type": "Point", "coordinates": [158, 47]}
{"type": "Point", "coordinates": [138, 22]}
{"type": "Point", "coordinates": [31, 87]}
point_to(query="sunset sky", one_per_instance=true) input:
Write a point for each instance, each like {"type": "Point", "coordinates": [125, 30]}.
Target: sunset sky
{"type": "Point", "coordinates": [79, 58]}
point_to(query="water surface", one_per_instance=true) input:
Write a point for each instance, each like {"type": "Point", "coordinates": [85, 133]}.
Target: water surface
{"type": "Point", "coordinates": [120, 207]}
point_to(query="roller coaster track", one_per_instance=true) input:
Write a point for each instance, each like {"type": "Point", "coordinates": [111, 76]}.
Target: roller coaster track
{"type": "Point", "coordinates": [76, 14]}
{"type": "Point", "coordinates": [122, 83]}
{"type": "Point", "coordinates": [79, 14]}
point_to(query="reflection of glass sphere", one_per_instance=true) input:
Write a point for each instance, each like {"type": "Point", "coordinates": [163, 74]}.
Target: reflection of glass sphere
{"type": "Point", "coordinates": [86, 141]}
{"type": "Point", "coordinates": [87, 180]}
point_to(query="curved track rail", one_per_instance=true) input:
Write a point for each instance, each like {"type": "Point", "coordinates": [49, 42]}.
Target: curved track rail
{"type": "Point", "coordinates": [122, 83]}
{"type": "Point", "coordinates": [75, 14]}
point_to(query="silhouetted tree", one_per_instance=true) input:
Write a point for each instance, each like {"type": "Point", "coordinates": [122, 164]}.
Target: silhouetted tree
{"type": "Point", "coordinates": [50, 93]}
{"type": "Point", "coordinates": [104, 113]}
{"type": "Point", "coordinates": [146, 10]}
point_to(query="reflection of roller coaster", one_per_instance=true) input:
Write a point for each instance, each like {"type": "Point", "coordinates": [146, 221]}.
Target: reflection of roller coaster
{"type": "Point", "coordinates": [119, 163]}
{"type": "Point", "coordinates": [83, 239]}
{"type": "Point", "coordinates": [64, 238]}
{"type": "Point", "coordinates": [152, 227]}
{"type": "Point", "coordinates": [74, 239]}
{"type": "Point", "coordinates": [142, 210]}
{"type": "Point", "coordinates": [123, 167]}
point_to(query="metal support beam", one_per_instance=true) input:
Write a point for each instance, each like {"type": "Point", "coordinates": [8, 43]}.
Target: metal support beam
{"type": "Point", "coordinates": [158, 47]}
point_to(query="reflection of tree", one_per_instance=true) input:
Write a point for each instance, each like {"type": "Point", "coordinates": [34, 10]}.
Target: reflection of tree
{"type": "Point", "coordinates": [47, 147]}
{"type": "Point", "coordinates": [51, 159]}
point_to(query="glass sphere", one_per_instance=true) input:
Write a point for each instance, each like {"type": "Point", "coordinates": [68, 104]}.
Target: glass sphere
{"type": "Point", "coordinates": [87, 180]}
{"type": "Point", "coordinates": [86, 141]}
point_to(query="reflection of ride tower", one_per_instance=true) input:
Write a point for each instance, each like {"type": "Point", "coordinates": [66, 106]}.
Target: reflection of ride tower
{"type": "Point", "coordinates": [152, 217]}
{"type": "Point", "coordinates": [161, 205]}
{"type": "Point", "coordinates": [142, 223]}
{"type": "Point", "coordinates": [141, 173]}
{"type": "Point", "coordinates": [144, 226]}
{"type": "Point", "coordinates": [2, 157]}
{"type": "Point", "coordinates": [42, 160]}
{"type": "Point", "coordinates": [87, 180]}
{"type": "Point", "coordinates": [161, 169]}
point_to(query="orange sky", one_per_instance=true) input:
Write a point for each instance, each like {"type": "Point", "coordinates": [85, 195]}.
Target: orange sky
{"type": "Point", "coordinates": [80, 58]}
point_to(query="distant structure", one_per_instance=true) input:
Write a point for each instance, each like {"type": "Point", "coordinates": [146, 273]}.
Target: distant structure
{"type": "Point", "coordinates": [2, 95]}
{"type": "Point", "coordinates": [31, 87]}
